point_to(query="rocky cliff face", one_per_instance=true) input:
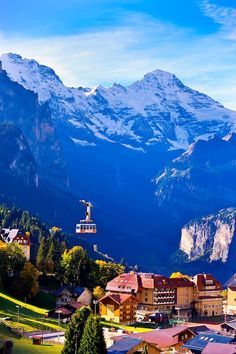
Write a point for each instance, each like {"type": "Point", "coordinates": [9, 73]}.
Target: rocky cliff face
{"type": "Point", "coordinates": [20, 107]}
{"type": "Point", "coordinates": [210, 237]}
{"type": "Point", "coordinates": [16, 159]}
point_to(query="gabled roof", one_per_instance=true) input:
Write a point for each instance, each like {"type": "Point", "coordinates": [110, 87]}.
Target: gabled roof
{"type": "Point", "coordinates": [78, 290]}
{"type": "Point", "coordinates": [219, 348]}
{"type": "Point", "coordinates": [202, 339]}
{"type": "Point", "coordinates": [74, 291]}
{"type": "Point", "coordinates": [205, 282]}
{"type": "Point", "coordinates": [231, 282]}
{"type": "Point", "coordinates": [8, 235]}
{"type": "Point", "coordinates": [162, 338]}
{"type": "Point", "coordinates": [118, 298]}
{"type": "Point", "coordinates": [124, 345]}
{"type": "Point", "coordinates": [63, 310]}
{"type": "Point", "coordinates": [62, 288]}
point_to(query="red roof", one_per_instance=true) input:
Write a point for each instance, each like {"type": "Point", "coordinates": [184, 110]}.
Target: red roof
{"type": "Point", "coordinates": [118, 298]}
{"type": "Point", "coordinates": [161, 281]}
{"type": "Point", "coordinates": [161, 338]}
{"type": "Point", "coordinates": [63, 311]}
{"type": "Point", "coordinates": [147, 280]}
{"type": "Point", "coordinates": [127, 282]}
{"type": "Point", "coordinates": [132, 282]}
{"type": "Point", "coordinates": [219, 348]}
{"type": "Point", "coordinates": [205, 282]}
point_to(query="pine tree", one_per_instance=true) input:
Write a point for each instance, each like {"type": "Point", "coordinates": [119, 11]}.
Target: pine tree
{"type": "Point", "coordinates": [75, 330]}
{"type": "Point", "coordinates": [93, 341]}
{"type": "Point", "coordinates": [49, 263]}
{"type": "Point", "coordinates": [40, 261]}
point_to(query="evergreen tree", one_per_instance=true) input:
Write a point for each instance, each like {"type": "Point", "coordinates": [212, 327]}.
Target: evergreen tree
{"type": "Point", "coordinates": [75, 330]}
{"type": "Point", "coordinates": [93, 341]}
{"type": "Point", "coordinates": [40, 261]}
{"type": "Point", "coordinates": [49, 263]}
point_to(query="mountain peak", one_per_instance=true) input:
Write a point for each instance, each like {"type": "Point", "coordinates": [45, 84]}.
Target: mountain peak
{"type": "Point", "coordinates": [32, 75]}
{"type": "Point", "coordinates": [12, 56]}
{"type": "Point", "coordinates": [158, 79]}
{"type": "Point", "coordinates": [159, 74]}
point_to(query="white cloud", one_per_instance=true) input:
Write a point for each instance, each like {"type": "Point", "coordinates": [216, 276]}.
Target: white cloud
{"type": "Point", "coordinates": [126, 52]}
{"type": "Point", "coordinates": [225, 16]}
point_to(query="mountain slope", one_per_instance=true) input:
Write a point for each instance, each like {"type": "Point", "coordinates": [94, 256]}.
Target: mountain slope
{"type": "Point", "coordinates": [109, 143]}
{"type": "Point", "coordinates": [20, 107]}
{"type": "Point", "coordinates": [201, 180]}
{"type": "Point", "coordinates": [16, 159]}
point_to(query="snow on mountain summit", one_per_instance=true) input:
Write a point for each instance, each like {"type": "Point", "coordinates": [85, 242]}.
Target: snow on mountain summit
{"type": "Point", "coordinates": [33, 76]}
{"type": "Point", "coordinates": [159, 108]}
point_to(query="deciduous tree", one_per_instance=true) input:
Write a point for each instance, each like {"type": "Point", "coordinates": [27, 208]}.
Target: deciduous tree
{"type": "Point", "coordinates": [26, 283]}
{"type": "Point", "coordinates": [77, 266]}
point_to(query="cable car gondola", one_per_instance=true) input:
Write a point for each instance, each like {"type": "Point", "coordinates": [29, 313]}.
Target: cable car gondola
{"type": "Point", "coordinates": [86, 226]}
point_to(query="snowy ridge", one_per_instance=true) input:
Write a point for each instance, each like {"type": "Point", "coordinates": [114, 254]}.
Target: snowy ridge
{"type": "Point", "coordinates": [156, 109]}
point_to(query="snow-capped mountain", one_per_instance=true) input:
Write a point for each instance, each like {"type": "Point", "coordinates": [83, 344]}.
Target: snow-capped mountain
{"type": "Point", "coordinates": [109, 143]}
{"type": "Point", "coordinates": [157, 109]}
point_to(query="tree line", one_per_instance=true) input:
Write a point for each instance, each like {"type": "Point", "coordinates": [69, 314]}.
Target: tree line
{"type": "Point", "coordinates": [51, 257]}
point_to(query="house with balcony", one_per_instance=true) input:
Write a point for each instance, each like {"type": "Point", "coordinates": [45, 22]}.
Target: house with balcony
{"type": "Point", "coordinates": [67, 295]}
{"type": "Point", "coordinates": [208, 300]}
{"type": "Point", "coordinates": [119, 308]}
{"type": "Point", "coordinates": [155, 292]}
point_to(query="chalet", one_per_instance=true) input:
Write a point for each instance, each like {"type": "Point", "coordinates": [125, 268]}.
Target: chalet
{"type": "Point", "coordinates": [169, 339]}
{"type": "Point", "coordinates": [197, 344]}
{"type": "Point", "coordinates": [67, 295]}
{"type": "Point", "coordinates": [120, 308]}
{"type": "Point", "coordinates": [64, 313]}
{"type": "Point", "coordinates": [231, 296]}
{"type": "Point", "coordinates": [219, 348]}
{"type": "Point", "coordinates": [14, 236]}
{"type": "Point", "coordinates": [129, 345]}
{"type": "Point", "coordinates": [207, 295]}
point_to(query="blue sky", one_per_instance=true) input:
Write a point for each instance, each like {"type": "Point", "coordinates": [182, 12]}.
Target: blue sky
{"type": "Point", "coordinates": [104, 41]}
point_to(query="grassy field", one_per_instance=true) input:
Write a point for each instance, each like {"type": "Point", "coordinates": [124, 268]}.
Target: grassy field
{"type": "Point", "coordinates": [32, 318]}
{"type": "Point", "coordinates": [126, 328]}
{"type": "Point", "coordinates": [25, 346]}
